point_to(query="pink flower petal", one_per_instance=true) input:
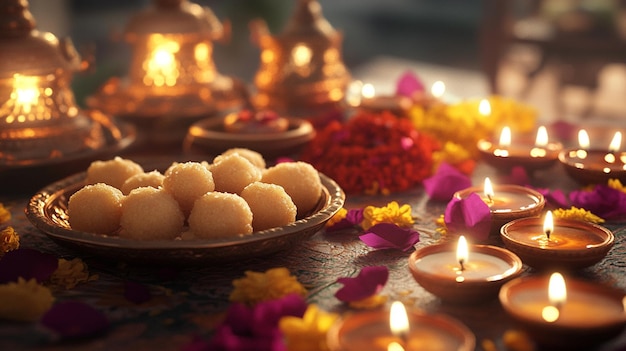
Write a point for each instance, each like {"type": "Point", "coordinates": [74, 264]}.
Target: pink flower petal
{"type": "Point", "coordinates": [602, 201]}
{"type": "Point", "coordinates": [443, 184]}
{"type": "Point", "coordinates": [73, 319]}
{"type": "Point", "coordinates": [554, 198]}
{"type": "Point", "coordinates": [408, 84]}
{"type": "Point", "coordinates": [27, 264]}
{"type": "Point", "coordinates": [469, 216]}
{"type": "Point", "coordinates": [518, 176]}
{"type": "Point", "coordinates": [369, 282]}
{"type": "Point", "coordinates": [390, 236]}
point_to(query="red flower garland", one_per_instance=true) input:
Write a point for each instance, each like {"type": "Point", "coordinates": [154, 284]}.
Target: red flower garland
{"type": "Point", "coordinates": [372, 152]}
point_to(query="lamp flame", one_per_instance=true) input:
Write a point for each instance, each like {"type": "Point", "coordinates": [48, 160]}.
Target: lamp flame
{"type": "Point", "coordinates": [548, 224]}
{"type": "Point", "coordinates": [505, 136]}
{"type": "Point", "coordinates": [394, 346]}
{"type": "Point", "coordinates": [488, 189]}
{"type": "Point", "coordinates": [484, 108]}
{"type": "Point", "coordinates": [438, 89]}
{"type": "Point", "coordinates": [26, 92]}
{"type": "Point", "coordinates": [583, 139]}
{"type": "Point", "coordinates": [542, 137]}
{"type": "Point", "coordinates": [616, 142]}
{"type": "Point", "coordinates": [161, 65]}
{"type": "Point", "coordinates": [368, 91]}
{"type": "Point", "coordinates": [557, 294]}
{"type": "Point", "coordinates": [301, 55]}
{"type": "Point", "coordinates": [462, 252]}
{"type": "Point", "coordinates": [398, 320]}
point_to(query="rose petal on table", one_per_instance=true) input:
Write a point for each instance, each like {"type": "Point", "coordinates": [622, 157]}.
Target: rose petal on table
{"type": "Point", "coordinates": [468, 216]}
{"type": "Point", "coordinates": [554, 198]}
{"type": "Point", "coordinates": [136, 293]}
{"type": "Point", "coordinates": [28, 264]}
{"type": "Point", "coordinates": [390, 236]}
{"type": "Point", "coordinates": [73, 319]}
{"type": "Point", "coordinates": [408, 84]}
{"type": "Point", "coordinates": [518, 176]}
{"type": "Point", "coordinates": [369, 282]}
{"type": "Point", "coordinates": [603, 201]}
{"type": "Point", "coordinates": [445, 182]}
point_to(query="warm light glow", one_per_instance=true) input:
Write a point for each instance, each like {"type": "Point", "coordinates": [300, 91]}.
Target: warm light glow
{"type": "Point", "coordinates": [438, 89]}
{"type": "Point", "coordinates": [354, 93]}
{"type": "Point", "coordinates": [542, 137]}
{"type": "Point", "coordinates": [25, 92]}
{"type": "Point", "coordinates": [301, 55]}
{"type": "Point", "coordinates": [398, 320]}
{"type": "Point", "coordinates": [368, 91]}
{"type": "Point", "coordinates": [462, 251]}
{"type": "Point", "coordinates": [161, 65]}
{"type": "Point", "coordinates": [616, 142]}
{"type": "Point", "coordinates": [548, 224]}
{"type": "Point", "coordinates": [484, 108]}
{"type": "Point", "coordinates": [394, 346]}
{"type": "Point", "coordinates": [488, 189]}
{"type": "Point", "coordinates": [583, 139]}
{"type": "Point", "coordinates": [557, 291]}
{"type": "Point", "coordinates": [505, 136]}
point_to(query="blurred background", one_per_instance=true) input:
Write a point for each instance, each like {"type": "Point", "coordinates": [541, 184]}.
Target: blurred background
{"type": "Point", "coordinates": [566, 57]}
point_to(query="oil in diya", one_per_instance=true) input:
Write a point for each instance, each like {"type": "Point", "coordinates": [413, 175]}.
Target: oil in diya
{"type": "Point", "coordinates": [505, 154]}
{"type": "Point", "coordinates": [506, 202]}
{"type": "Point", "coordinates": [595, 166]}
{"type": "Point", "coordinates": [471, 273]}
{"type": "Point", "coordinates": [398, 330]}
{"type": "Point", "coordinates": [561, 243]}
{"type": "Point", "coordinates": [560, 315]}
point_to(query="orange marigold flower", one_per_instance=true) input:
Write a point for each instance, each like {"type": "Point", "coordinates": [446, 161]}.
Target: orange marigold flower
{"type": "Point", "coordinates": [9, 240]}
{"type": "Point", "coordinates": [341, 214]}
{"type": "Point", "coordinates": [272, 284]}
{"type": "Point", "coordinates": [5, 214]}
{"type": "Point", "coordinates": [71, 273]}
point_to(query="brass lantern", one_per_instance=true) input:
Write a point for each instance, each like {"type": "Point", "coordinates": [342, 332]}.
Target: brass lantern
{"type": "Point", "coordinates": [40, 123]}
{"type": "Point", "coordinates": [172, 79]}
{"type": "Point", "coordinates": [301, 70]}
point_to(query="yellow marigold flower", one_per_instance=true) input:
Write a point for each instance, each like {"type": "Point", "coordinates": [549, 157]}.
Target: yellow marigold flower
{"type": "Point", "coordinates": [516, 340]}
{"type": "Point", "coordinates": [9, 240]}
{"type": "Point", "coordinates": [258, 286]}
{"type": "Point", "coordinates": [5, 214]}
{"type": "Point", "coordinates": [579, 214]}
{"type": "Point", "coordinates": [341, 214]}
{"type": "Point", "coordinates": [451, 153]}
{"type": "Point", "coordinates": [441, 225]}
{"type": "Point", "coordinates": [392, 213]}
{"type": "Point", "coordinates": [309, 332]}
{"type": "Point", "coordinates": [370, 302]}
{"type": "Point", "coordinates": [71, 273]}
{"type": "Point", "coordinates": [24, 300]}
{"type": "Point", "coordinates": [616, 184]}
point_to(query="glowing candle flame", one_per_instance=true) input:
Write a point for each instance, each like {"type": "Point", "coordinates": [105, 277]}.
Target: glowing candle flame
{"type": "Point", "coordinates": [26, 92]}
{"type": "Point", "coordinates": [616, 142]}
{"type": "Point", "coordinates": [488, 189]}
{"type": "Point", "coordinates": [583, 139]}
{"type": "Point", "coordinates": [161, 65]}
{"type": "Point", "coordinates": [438, 89]}
{"type": "Point", "coordinates": [548, 224]}
{"type": "Point", "coordinates": [484, 108]}
{"type": "Point", "coordinates": [354, 93]}
{"type": "Point", "coordinates": [505, 137]}
{"type": "Point", "coordinates": [394, 346]}
{"type": "Point", "coordinates": [557, 294]}
{"type": "Point", "coordinates": [542, 137]}
{"type": "Point", "coordinates": [398, 320]}
{"type": "Point", "coordinates": [462, 252]}
{"type": "Point", "coordinates": [301, 55]}
{"type": "Point", "coordinates": [368, 91]}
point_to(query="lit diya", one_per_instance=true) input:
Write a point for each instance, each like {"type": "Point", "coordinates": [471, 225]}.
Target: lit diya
{"type": "Point", "coordinates": [376, 103]}
{"type": "Point", "coordinates": [398, 330]}
{"type": "Point", "coordinates": [560, 315]}
{"type": "Point", "coordinates": [562, 243]}
{"type": "Point", "coordinates": [595, 166]}
{"type": "Point", "coordinates": [467, 274]}
{"type": "Point", "coordinates": [506, 154]}
{"type": "Point", "coordinates": [506, 202]}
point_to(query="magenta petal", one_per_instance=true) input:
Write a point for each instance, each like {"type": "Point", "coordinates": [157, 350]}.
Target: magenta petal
{"type": "Point", "coordinates": [390, 236]}
{"type": "Point", "coordinates": [443, 184]}
{"type": "Point", "coordinates": [27, 264]}
{"type": "Point", "coordinates": [369, 282]}
{"type": "Point", "coordinates": [469, 216]}
{"type": "Point", "coordinates": [603, 201]}
{"type": "Point", "coordinates": [518, 176]}
{"type": "Point", "coordinates": [554, 198]}
{"type": "Point", "coordinates": [408, 84]}
{"type": "Point", "coordinates": [136, 293]}
{"type": "Point", "coordinates": [73, 319]}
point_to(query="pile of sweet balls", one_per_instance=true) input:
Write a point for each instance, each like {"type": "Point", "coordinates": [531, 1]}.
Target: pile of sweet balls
{"type": "Point", "coordinates": [234, 196]}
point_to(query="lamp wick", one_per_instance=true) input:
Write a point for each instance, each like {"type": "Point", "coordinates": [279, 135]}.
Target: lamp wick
{"type": "Point", "coordinates": [548, 232]}
{"type": "Point", "coordinates": [462, 264]}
